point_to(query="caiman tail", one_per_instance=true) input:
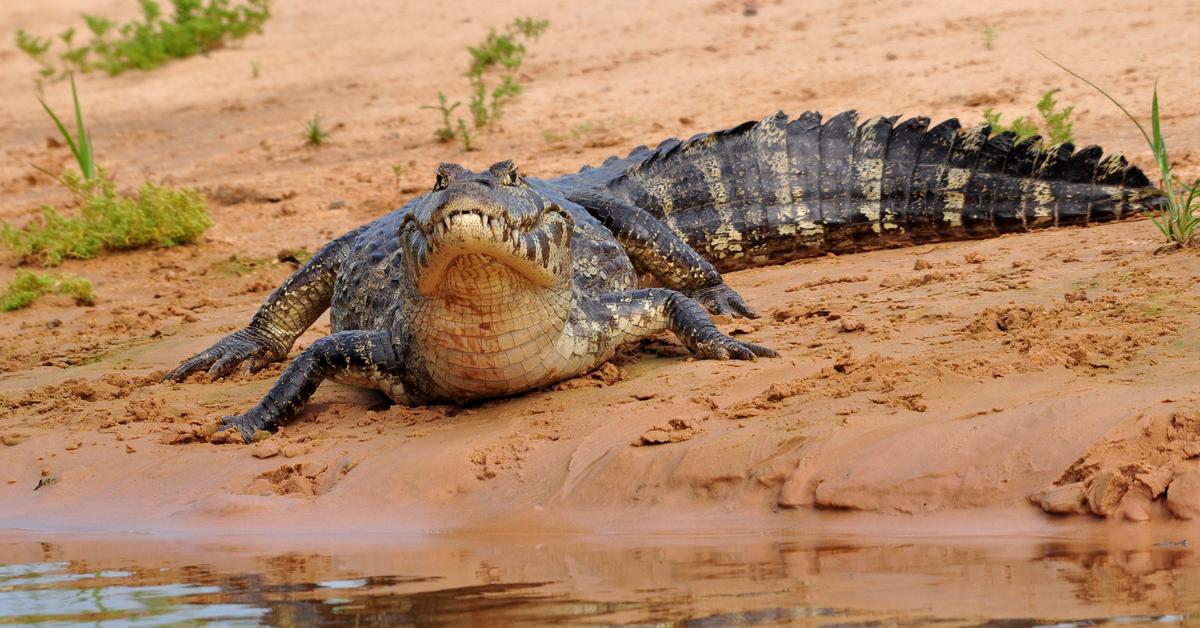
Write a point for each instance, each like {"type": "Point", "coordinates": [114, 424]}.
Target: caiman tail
{"type": "Point", "coordinates": [770, 191]}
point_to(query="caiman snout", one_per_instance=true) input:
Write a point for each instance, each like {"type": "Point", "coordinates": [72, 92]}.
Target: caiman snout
{"type": "Point", "coordinates": [490, 217]}
{"type": "Point", "coordinates": [469, 216]}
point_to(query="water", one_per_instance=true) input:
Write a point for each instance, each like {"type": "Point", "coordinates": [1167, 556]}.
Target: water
{"type": "Point", "coordinates": [138, 581]}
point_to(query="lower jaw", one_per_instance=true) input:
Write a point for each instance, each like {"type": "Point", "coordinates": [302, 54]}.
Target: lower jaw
{"type": "Point", "coordinates": [438, 271]}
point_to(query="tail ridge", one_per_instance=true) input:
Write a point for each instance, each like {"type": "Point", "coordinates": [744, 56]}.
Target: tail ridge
{"type": "Point", "coordinates": [779, 188]}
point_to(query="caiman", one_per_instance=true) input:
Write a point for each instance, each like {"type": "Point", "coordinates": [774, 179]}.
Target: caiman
{"type": "Point", "coordinates": [493, 282]}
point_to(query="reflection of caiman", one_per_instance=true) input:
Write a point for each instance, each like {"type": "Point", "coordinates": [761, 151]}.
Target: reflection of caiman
{"type": "Point", "coordinates": [493, 283]}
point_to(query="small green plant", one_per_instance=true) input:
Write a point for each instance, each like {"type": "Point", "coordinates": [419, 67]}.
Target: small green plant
{"type": "Point", "coordinates": [1023, 127]}
{"type": "Point", "coordinates": [499, 56]}
{"type": "Point", "coordinates": [503, 53]}
{"type": "Point", "coordinates": [1058, 124]}
{"type": "Point", "coordinates": [81, 144]}
{"type": "Point", "coordinates": [1179, 220]}
{"type": "Point", "coordinates": [1059, 127]}
{"type": "Point", "coordinates": [989, 37]}
{"type": "Point", "coordinates": [36, 47]}
{"type": "Point", "coordinates": [314, 135]}
{"type": "Point", "coordinates": [255, 69]}
{"type": "Point", "coordinates": [196, 26]}
{"type": "Point", "coordinates": [27, 286]}
{"type": "Point", "coordinates": [32, 45]}
{"type": "Point", "coordinates": [465, 135]}
{"type": "Point", "coordinates": [156, 216]}
{"type": "Point", "coordinates": [446, 132]}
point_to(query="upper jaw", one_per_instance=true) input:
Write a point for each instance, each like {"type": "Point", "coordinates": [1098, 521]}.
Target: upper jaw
{"type": "Point", "coordinates": [540, 253]}
{"type": "Point", "coordinates": [464, 224]}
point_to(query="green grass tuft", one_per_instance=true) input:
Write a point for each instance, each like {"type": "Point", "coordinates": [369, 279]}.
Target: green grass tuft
{"type": "Point", "coordinates": [157, 216]}
{"type": "Point", "coordinates": [195, 26]}
{"type": "Point", "coordinates": [1179, 221]}
{"type": "Point", "coordinates": [81, 144]}
{"type": "Point", "coordinates": [27, 286]}
{"type": "Point", "coordinates": [1057, 122]}
{"type": "Point", "coordinates": [314, 135]}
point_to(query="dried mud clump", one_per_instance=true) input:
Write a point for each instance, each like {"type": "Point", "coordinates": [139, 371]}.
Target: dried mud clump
{"type": "Point", "coordinates": [196, 431]}
{"type": "Point", "coordinates": [305, 479]}
{"type": "Point", "coordinates": [826, 281]}
{"type": "Point", "coordinates": [606, 374]}
{"type": "Point", "coordinates": [109, 386]}
{"type": "Point", "coordinates": [1144, 466]}
{"type": "Point", "coordinates": [508, 455]}
{"type": "Point", "coordinates": [673, 431]}
{"type": "Point", "coordinates": [885, 380]}
{"type": "Point", "coordinates": [1103, 333]}
{"type": "Point", "coordinates": [903, 282]}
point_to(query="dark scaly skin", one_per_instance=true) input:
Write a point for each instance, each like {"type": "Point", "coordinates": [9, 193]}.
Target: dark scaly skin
{"type": "Point", "coordinates": [655, 249]}
{"type": "Point", "coordinates": [492, 284]}
{"type": "Point", "coordinates": [279, 322]}
{"type": "Point", "coordinates": [771, 191]}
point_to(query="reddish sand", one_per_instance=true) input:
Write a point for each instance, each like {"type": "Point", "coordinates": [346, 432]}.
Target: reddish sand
{"type": "Point", "coordinates": [927, 389]}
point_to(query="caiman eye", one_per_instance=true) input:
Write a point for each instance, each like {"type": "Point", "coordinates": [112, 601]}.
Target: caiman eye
{"type": "Point", "coordinates": [440, 182]}
{"type": "Point", "coordinates": [510, 178]}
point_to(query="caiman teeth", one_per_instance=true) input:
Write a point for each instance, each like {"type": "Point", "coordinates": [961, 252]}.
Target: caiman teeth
{"type": "Point", "coordinates": [496, 226]}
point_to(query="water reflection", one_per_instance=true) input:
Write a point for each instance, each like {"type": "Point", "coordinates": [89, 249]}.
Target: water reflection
{"type": "Point", "coordinates": [662, 581]}
{"type": "Point", "coordinates": [48, 594]}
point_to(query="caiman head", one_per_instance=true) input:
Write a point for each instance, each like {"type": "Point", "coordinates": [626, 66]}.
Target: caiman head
{"type": "Point", "coordinates": [487, 258]}
{"type": "Point", "coordinates": [474, 220]}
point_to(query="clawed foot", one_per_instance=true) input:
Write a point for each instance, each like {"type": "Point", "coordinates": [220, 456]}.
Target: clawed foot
{"type": "Point", "coordinates": [723, 347]}
{"type": "Point", "coordinates": [721, 299]}
{"type": "Point", "coordinates": [250, 348]}
{"type": "Point", "coordinates": [243, 423]}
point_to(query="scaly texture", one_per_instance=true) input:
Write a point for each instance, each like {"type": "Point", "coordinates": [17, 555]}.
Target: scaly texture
{"type": "Point", "coordinates": [769, 191]}
{"type": "Point", "coordinates": [493, 283]}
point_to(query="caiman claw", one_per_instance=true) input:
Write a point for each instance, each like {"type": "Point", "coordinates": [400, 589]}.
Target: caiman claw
{"type": "Point", "coordinates": [245, 424]}
{"type": "Point", "coordinates": [251, 348]}
{"type": "Point", "coordinates": [723, 347]}
{"type": "Point", "coordinates": [721, 299]}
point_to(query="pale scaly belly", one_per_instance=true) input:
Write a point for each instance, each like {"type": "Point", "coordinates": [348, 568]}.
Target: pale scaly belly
{"type": "Point", "coordinates": [495, 366]}
{"type": "Point", "coordinates": [489, 334]}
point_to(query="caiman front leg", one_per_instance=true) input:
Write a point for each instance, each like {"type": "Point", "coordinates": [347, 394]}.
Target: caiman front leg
{"type": "Point", "coordinates": [363, 357]}
{"type": "Point", "coordinates": [610, 320]}
{"type": "Point", "coordinates": [654, 247]}
{"type": "Point", "coordinates": [281, 319]}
